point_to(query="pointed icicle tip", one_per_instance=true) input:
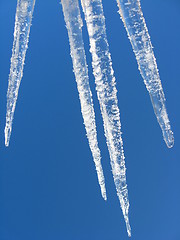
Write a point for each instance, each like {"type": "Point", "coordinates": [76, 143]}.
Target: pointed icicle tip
{"type": "Point", "coordinates": [7, 132]}
{"type": "Point", "coordinates": [128, 227]}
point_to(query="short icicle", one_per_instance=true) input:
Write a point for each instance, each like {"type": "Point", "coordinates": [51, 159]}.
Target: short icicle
{"type": "Point", "coordinates": [24, 12]}
{"type": "Point", "coordinates": [74, 26]}
{"type": "Point", "coordinates": [107, 96]}
{"type": "Point", "coordinates": [134, 22]}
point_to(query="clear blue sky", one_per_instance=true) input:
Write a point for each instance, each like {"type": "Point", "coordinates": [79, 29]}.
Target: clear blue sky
{"type": "Point", "coordinates": [48, 183]}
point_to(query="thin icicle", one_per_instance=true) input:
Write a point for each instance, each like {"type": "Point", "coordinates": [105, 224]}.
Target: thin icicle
{"type": "Point", "coordinates": [23, 19]}
{"type": "Point", "coordinates": [107, 95]}
{"type": "Point", "coordinates": [134, 22]}
{"type": "Point", "coordinates": [74, 26]}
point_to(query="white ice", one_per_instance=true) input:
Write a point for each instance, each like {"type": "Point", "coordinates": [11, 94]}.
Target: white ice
{"type": "Point", "coordinates": [107, 96]}
{"type": "Point", "coordinates": [74, 26]}
{"type": "Point", "coordinates": [23, 19]}
{"type": "Point", "coordinates": [134, 22]}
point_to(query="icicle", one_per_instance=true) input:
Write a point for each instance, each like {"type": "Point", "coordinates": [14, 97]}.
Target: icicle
{"type": "Point", "coordinates": [107, 95]}
{"type": "Point", "coordinates": [74, 24]}
{"type": "Point", "coordinates": [23, 19]}
{"type": "Point", "coordinates": [134, 22]}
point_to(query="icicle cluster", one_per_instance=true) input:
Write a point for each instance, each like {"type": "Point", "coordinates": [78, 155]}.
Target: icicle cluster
{"type": "Point", "coordinates": [134, 22]}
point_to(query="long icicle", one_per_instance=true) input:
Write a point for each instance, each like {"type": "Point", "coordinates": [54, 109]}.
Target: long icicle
{"type": "Point", "coordinates": [24, 12]}
{"type": "Point", "coordinates": [107, 95]}
{"type": "Point", "coordinates": [134, 22]}
{"type": "Point", "coordinates": [74, 26]}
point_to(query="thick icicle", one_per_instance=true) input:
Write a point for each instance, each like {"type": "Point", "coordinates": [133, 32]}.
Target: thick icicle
{"type": "Point", "coordinates": [23, 19]}
{"type": "Point", "coordinates": [107, 95]}
{"type": "Point", "coordinates": [134, 22]}
{"type": "Point", "coordinates": [74, 26]}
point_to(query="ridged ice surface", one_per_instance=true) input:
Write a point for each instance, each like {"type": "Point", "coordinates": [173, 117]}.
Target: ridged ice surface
{"type": "Point", "coordinates": [74, 26]}
{"type": "Point", "coordinates": [23, 19]}
{"type": "Point", "coordinates": [107, 96]}
{"type": "Point", "coordinates": [134, 22]}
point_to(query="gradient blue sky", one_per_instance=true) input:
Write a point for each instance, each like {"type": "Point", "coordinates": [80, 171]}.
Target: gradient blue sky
{"type": "Point", "coordinates": [48, 183]}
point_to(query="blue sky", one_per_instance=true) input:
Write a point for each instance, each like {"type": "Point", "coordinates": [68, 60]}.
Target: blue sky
{"type": "Point", "coordinates": [48, 183]}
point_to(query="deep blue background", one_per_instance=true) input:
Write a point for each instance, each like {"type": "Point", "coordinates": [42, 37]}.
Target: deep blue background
{"type": "Point", "coordinates": [48, 183]}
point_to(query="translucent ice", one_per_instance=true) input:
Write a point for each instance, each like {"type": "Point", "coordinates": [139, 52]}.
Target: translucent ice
{"type": "Point", "coordinates": [107, 96]}
{"type": "Point", "coordinates": [74, 24]}
{"type": "Point", "coordinates": [23, 19]}
{"type": "Point", "coordinates": [134, 22]}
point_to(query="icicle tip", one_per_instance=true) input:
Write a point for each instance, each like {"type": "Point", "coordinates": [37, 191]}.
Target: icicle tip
{"type": "Point", "coordinates": [7, 132]}
{"type": "Point", "coordinates": [104, 194]}
{"type": "Point", "coordinates": [128, 227]}
{"type": "Point", "coordinates": [168, 138]}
